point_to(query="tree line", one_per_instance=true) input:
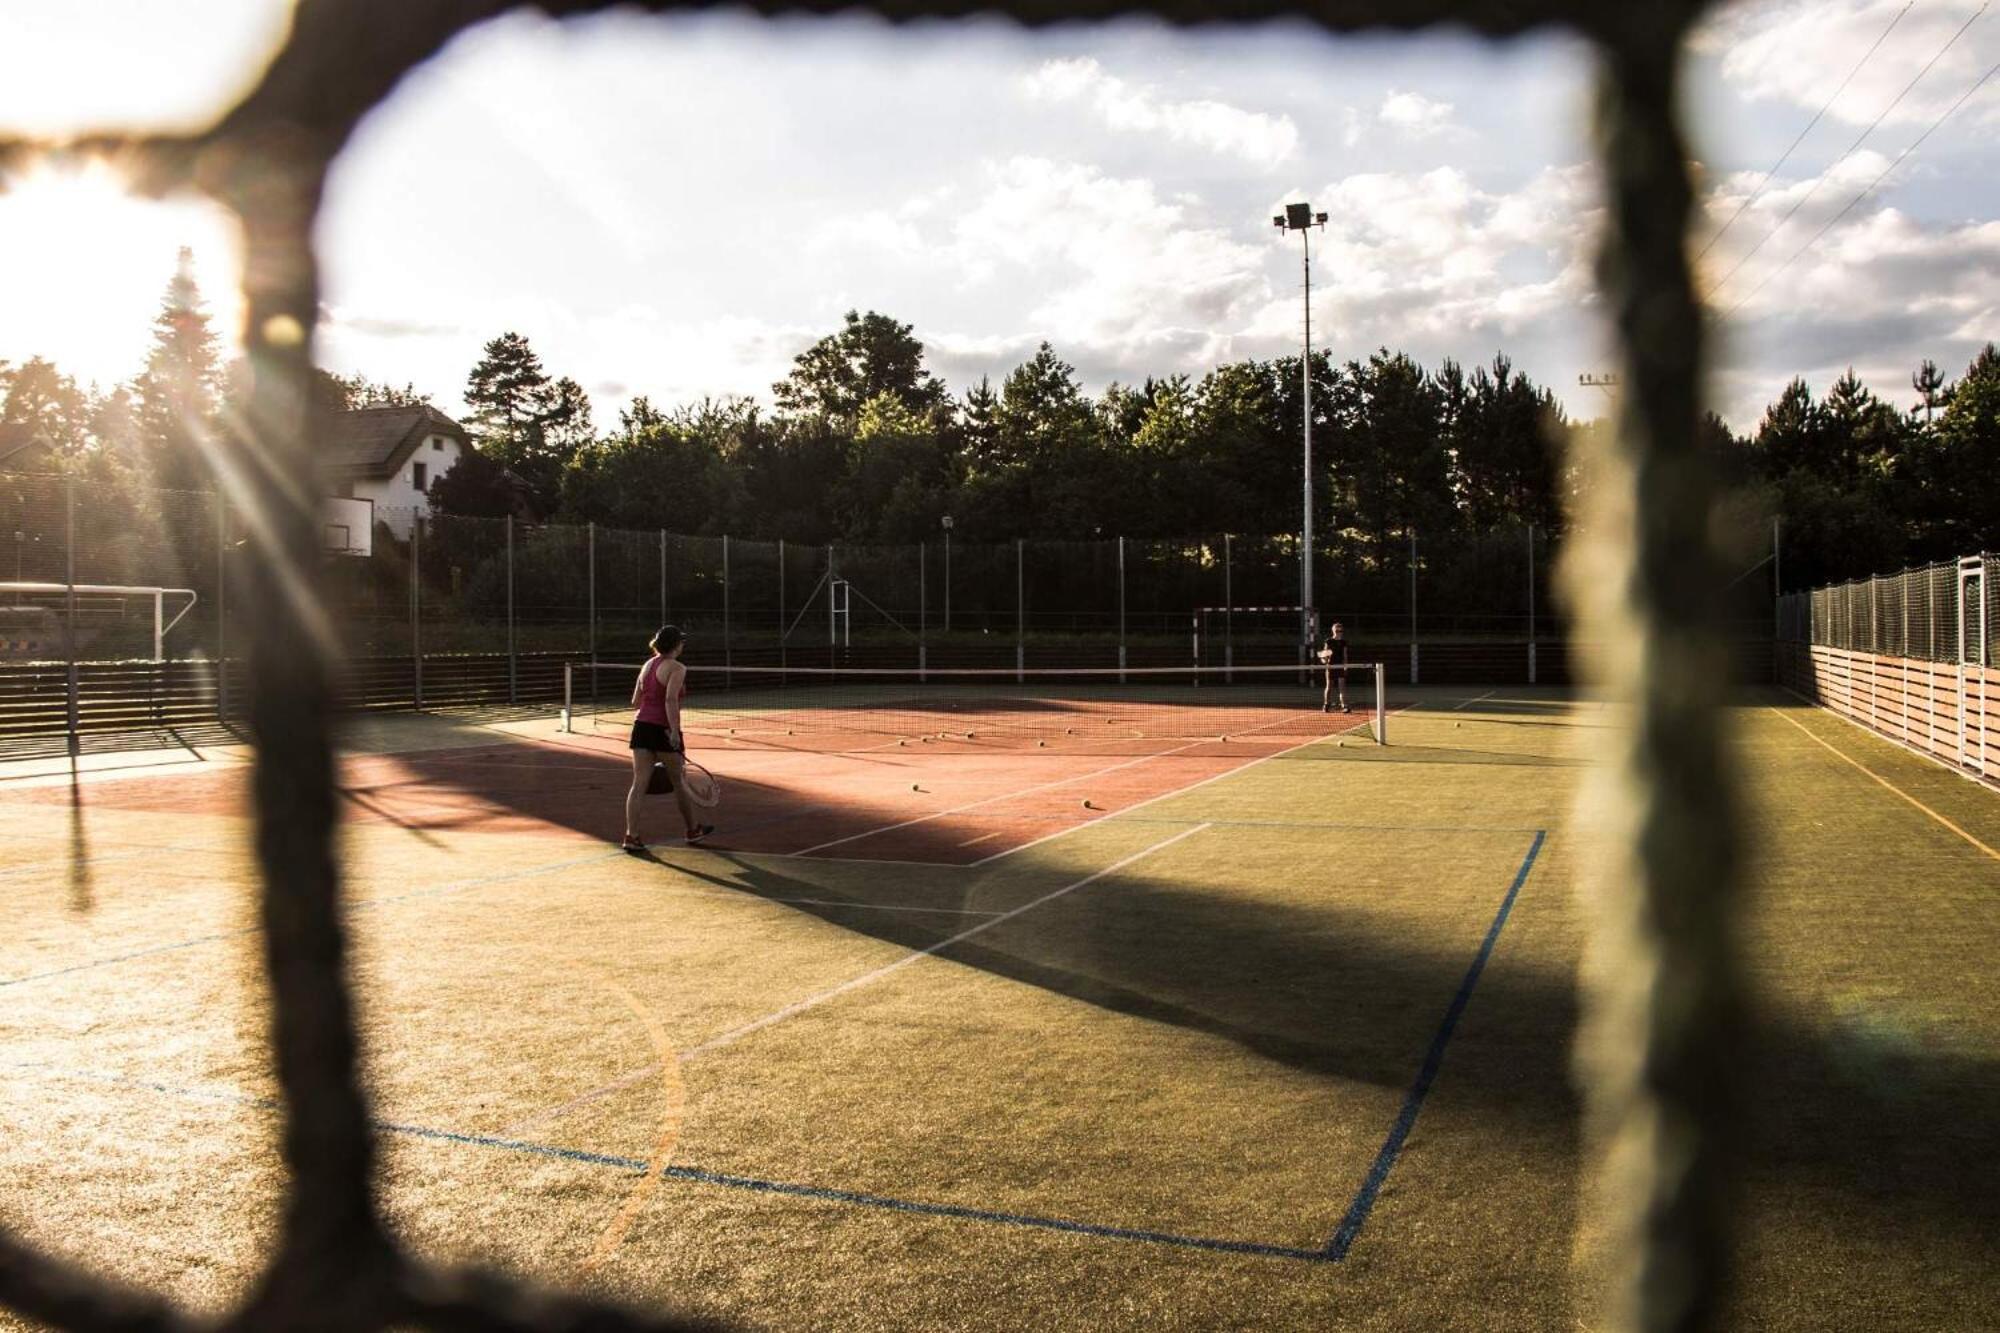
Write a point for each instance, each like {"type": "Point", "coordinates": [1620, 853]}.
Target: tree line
{"type": "Point", "coordinates": [861, 442]}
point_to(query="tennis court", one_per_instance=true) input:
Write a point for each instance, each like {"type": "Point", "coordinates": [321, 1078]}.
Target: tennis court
{"type": "Point", "coordinates": [1274, 1031]}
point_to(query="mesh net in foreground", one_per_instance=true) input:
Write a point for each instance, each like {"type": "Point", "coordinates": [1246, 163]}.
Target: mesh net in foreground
{"type": "Point", "coordinates": [838, 709]}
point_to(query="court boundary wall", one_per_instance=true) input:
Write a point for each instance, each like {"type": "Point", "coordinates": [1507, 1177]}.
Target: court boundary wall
{"type": "Point", "coordinates": [1946, 711]}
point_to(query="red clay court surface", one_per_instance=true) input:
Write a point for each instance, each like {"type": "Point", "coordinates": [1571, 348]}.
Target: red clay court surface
{"type": "Point", "coordinates": [943, 802]}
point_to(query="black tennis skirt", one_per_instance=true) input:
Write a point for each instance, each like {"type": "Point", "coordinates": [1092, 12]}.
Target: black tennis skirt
{"type": "Point", "coordinates": [652, 736]}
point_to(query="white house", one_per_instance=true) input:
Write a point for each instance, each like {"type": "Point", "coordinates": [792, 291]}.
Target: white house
{"type": "Point", "coordinates": [391, 456]}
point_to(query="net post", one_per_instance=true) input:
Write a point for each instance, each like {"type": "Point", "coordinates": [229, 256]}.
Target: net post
{"type": "Point", "coordinates": [222, 608]}
{"type": "Point", "coordinates": [1121, 610]}
{"type": "Point", "coordinates": [1381, 704]}
{"type": "Point", "coordinates": [1020, 611]}
{"type": "Point", "coordinates": [417, 609]}
{"type": "Point", "coordinates": [569, 698]}
{"type": "Point", "coordinates": [69, 608]}
{"type": "Point", "coordinates": [513, 664]}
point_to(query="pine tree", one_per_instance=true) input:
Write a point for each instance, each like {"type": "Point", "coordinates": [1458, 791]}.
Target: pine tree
{"type": "Point", "coordinates": [522, 418]}
{"type": "Point", "coordinates": [181, 386]}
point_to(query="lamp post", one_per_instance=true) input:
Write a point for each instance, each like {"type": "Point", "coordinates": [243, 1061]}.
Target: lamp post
{"type": "Point", "coordinates": [947, 574]}
{"type": "Point", "coordinates": [1301, 219]}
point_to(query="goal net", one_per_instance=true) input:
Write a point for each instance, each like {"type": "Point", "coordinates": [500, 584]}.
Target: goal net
{"type": "Point", "coordinates": [114, 622]}
{"type": "Point", "coordinates": [1230, 636]}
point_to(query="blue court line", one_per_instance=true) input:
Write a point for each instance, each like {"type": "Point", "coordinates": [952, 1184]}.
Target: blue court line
{"type": "Point", "coordinates": [1364, 1198]}
{"type": "Point", "coordinates": [1335, 1250]}
{"type": "Point", "coordinates": [705, 1177]}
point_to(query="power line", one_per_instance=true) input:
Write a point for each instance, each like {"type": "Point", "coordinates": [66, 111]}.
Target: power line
{"type": "Point", "coordinates": [1917, 142]}
{"type": "Point", "coordinates": [1723, 281]}
{"type": "Point", "coordinates": [1758, 193]}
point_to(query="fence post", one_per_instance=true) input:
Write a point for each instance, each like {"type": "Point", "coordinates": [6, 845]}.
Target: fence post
{"type": "Point", "coordinates": [1413, 606]}
{"type": "Point", "coordinates": [727, 680]}
{"type": "Point", "coordinates": [221, 608]}
{"type": "Point", "coordinates": [69, 608]}
{"type": "Point", "coordinates": [513, 665]}
{"type": "Point", "coordinates": [1228, 614]}
{"type": "Point", "coordinates": [417, 608]}
{"type": "Point", "coordinates": [1020, 611]}
{"type": "Point", "coordinates": [923, 611]}
{"type": "Point", "coordinates": [1121, 610]}
{"type": "Point", "coordinates": [1531, 604]}
{"type": "Point", "coordinates": [663, 576]}
{"type": "Point", "coordinates": [591, 578]}
{"type": "Point", "coordinates": [832, 614]}
{"type": "Point", "coordinates": [781, 601]}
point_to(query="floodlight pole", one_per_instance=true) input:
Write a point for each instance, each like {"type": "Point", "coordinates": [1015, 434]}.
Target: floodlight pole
{"type": "Point", "coordinates": [1301, 219]}
{"type": "Point", "coordinates": [947, 574]}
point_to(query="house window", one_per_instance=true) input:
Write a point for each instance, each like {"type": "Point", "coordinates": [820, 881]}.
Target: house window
{"type": "Point", "coordinates": [418, 475]}
{"type": "Point", "coordinates": [437, 442]}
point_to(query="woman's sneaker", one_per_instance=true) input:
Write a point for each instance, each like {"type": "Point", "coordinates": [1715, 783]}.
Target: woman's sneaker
{"type": "Point", "coordinates": [698, 832]}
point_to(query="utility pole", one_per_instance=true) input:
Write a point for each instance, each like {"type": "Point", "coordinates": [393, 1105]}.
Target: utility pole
{"type": "Point", "coordinates": [1301, 219]}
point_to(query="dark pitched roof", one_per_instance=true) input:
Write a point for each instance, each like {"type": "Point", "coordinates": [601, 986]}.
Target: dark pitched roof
{"type": "Point", "coordinates": [374, 441]}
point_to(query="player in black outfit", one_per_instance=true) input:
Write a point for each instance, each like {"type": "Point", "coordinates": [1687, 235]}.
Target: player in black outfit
{"type": "Point", "coordinates": [1333, 653]}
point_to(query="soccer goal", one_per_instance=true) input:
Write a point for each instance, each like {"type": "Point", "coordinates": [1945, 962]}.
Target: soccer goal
{"type": "Point", "coordinates": [1228, 636]}
{"type": "Point", "coordinates": [115, 618]}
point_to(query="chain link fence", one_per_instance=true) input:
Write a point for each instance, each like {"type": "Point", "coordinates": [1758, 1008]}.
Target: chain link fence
{"type": "Point", "coordinates": [1916, 614]}
{"type": "Point", "coordinates": [446, 611]}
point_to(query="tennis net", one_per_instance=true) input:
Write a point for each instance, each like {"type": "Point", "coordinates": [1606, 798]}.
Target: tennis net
{"type": "Point", "coordinates": [827, 708]}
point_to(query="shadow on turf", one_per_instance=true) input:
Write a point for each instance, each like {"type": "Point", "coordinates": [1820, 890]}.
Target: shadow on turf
{"type": "Point", "coordinates": [1899, 1128]}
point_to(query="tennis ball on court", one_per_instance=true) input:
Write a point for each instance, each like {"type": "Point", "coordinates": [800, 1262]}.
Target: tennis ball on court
{"type": "Point", "coordinates": [1088, 806]}
{"type": "Point", "coordinates": [1458, 724]}
{"type": "Point", "coordinates": [1040, 744]}
{"type": "Point", "coordinates": [915, 787]}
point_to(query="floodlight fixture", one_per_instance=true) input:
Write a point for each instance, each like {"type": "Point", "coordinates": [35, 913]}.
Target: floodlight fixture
{"type": "Point", "coordinates": [1606, 380]}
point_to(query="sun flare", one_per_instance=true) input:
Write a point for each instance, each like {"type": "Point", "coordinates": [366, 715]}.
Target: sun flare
{"type": "Point", "coordinates": [84, 265]}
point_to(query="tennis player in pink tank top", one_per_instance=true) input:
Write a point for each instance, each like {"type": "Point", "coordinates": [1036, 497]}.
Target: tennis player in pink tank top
{"type": "Point", "coordinates": [656, 734]}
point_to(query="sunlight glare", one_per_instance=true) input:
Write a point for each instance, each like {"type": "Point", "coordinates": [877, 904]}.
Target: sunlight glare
{"type": "Point", "coordinates": [84, 266]}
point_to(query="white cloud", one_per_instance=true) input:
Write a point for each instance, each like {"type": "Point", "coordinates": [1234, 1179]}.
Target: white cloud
{"type": "Point", "coordinates": [1122, 267]}
{"type": "Point", "coordinates": [1798, 51]}
{"type": "Point", "coordinates": [1415, 115]}
{"type": "Point", "coordinates": [1430, 260]}
{"type": "Point", "coordinates": [1260, 139]}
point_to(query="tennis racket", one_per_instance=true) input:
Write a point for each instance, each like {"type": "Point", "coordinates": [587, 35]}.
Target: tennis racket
{"type": "Point", "coordinates": [702, 788]}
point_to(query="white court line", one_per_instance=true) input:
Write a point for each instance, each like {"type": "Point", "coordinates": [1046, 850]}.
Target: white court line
{"type": "Point", "coordinates": [1178, 791]}
{"type": "Point", "coordinates": [1004, 796]}
{"type": "Point", "coordinates": [813, 1001]}
{"type": "Point", "coordinates": [1467, 703]}
{"type": "Point", "coordinates": [984, 837]}
{"type": "Point", "coordinates": [798, 1007]}
{"type": "Point", "coordinates": [842, 902]}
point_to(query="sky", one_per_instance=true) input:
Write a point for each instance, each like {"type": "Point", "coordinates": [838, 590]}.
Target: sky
{"type": "Point", "coordinates": [677, 207]}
